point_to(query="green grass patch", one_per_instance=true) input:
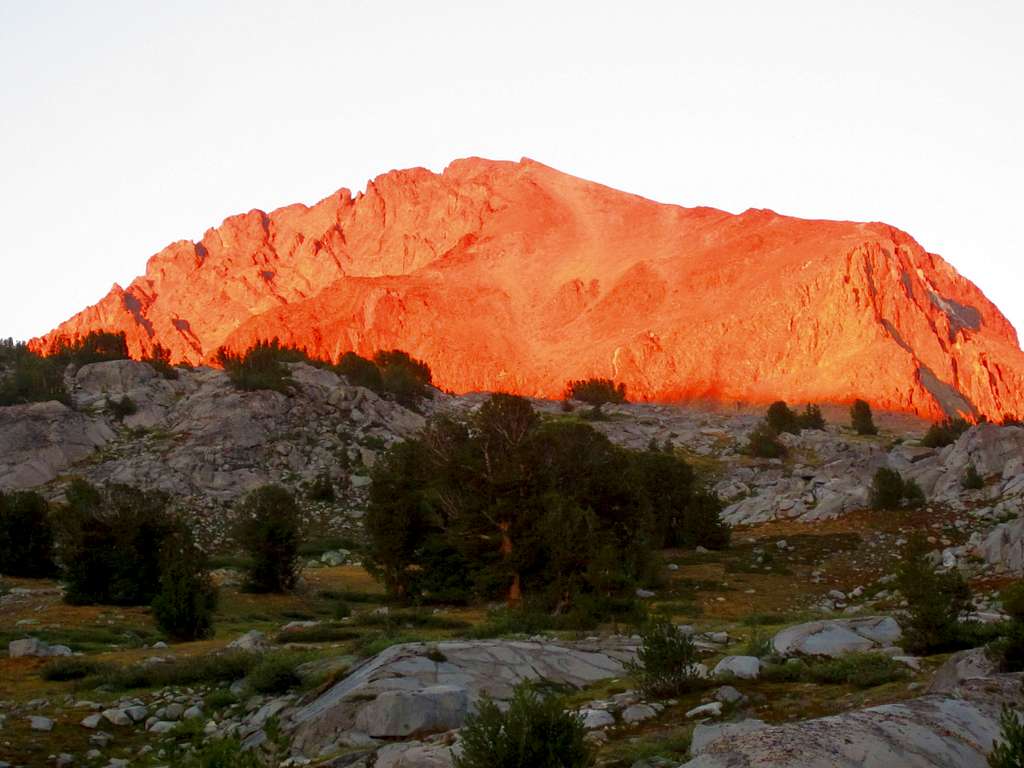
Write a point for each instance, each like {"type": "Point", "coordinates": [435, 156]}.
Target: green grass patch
{"type": "Point", "coordinates": [321, 633]}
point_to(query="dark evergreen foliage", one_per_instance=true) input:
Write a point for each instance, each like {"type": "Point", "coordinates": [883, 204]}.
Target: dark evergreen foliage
{"type": "Point", "coordinates": [595, 391]}
{"type": "Point", "coordinates": [185, 604]}
{"type": "Point", "coordinates": [109, 541]}
{"type": "Point", "coordinates": [261, 366]}
{"type": "Point", "coordinates": [159, 358]}
{"type": "Point", "coordinates": [360, 371]}
{"type": "Point", "coordinates": [94, 347]}
{"type": "Point", "coordinates": [861, 418]}
{"type": "Point", "coordinates": [972, 480]}
{"type": "Point", "coordinates": [943, 433]}
{"type": "Point", "coordinates": [764, 443]}
{"type": "Point", "coordinates": [667, 661]}
{"type": "Point", "coordinates": [534, 732]}
{"type": "Point", "coordinates": [811, 418]}
{"type": "Point", "coordinates": [890, 491]}
{"type": "Point", "coordinates": [26, 377]}
{"type": "Point", "coordinates": [268, 531]}
{"type": "Point", "coordinates": [26, 536]}
{"type": "Point", "coordinates": [781, 419]}
{"type": "Point", "coordinates": [936, 601]}
{"type": "Point", "coordinates": [508, 505]}
{"type": "Point", "coordinates": [403, 376]}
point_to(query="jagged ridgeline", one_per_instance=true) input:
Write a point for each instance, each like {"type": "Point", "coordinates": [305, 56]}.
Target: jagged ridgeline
{"type": "Point", "coordinates": [515, 277]}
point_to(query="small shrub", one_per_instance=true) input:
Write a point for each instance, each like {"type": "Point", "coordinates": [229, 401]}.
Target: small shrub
{"type": "Point", "coordinates": [863, 670]}
{"type": "Point", "coordinates": [219, 753]}
{"type": "Point", "coordinates": [29, 377]}
{"type": "Point", "coordinates": [935, 601]}
{"type": "Point", "coordinates": [94, 347]}
{"type": "Point", "coordinates": [781, 419]}
{"type": "Point", "coordinates": [763, 443]}
{"type": "Point", "coordinates": [667, 660]}
{"type": "Point", "coordinates": [890, 491]}
{"type": "Point", "coordinates": [886, 489]}
{"type": "Point", "coordinates": [159, 358]}
{"type": "Point", "coordinates": [943, 433]}
{"type": "Point", "coordinates": [1008, 750]}
{"type": "Point", "coordinates": [596, 392]}
{"type": "Point", "coordinates": [187, 599]}
{"type": "Point", "coordinates": [119, 409]}
{"type": "Point", "coordinates": [262, 366]}
{"type": "Point", "coordinates": [220, 698]}
{"type": "Point", "coordinates": [861, 418]}
{"type": "Point", "coordinates": [972, 480]}
{"type": "Point", "coordinates": [403, 376]}
{"type": "Point", "coordinates": [360, 372]}
{"type": "Point", "coordinates": [71, 668]}
{"type": "Point", "coordinates": [26, 536]}
{"type": "Point", "coordinates": [758, 645]}
{"type": "Point", "coordinates": [193, 670]}
{"type": "Point", "coordinates": [535, 732]}
{"type": "Point", "coordinates": [269, 533]}
{"type": "Point", "coordinates": [321, 489]}
{"type": "Point", "coordinates": [811, 418]}
{"type": "Point", "coordinates": [274, 674]}
{"type": "Point", "coordinates": [1012, 598]}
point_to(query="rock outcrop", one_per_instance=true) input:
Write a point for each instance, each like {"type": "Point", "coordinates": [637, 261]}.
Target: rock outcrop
{"type": "Point", "coordinates": [933, 731]}
{"type": "Point", "coordinates": [513, 276]}
{"type": "Point", "coordinates": [419, 689]}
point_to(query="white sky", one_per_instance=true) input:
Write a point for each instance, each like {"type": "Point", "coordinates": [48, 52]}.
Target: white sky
{"type": "Point", "coordinates": [125, 126]}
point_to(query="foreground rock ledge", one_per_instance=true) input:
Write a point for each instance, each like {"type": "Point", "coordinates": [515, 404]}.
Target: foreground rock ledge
{"type": "Point", "coordinates": [933, 731]}
{"type": "Point", "coordinates": [431, 687]}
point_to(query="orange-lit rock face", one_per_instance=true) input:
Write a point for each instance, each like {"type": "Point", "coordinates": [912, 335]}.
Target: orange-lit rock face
{"type": "Point", "coordinates": [514, 276]}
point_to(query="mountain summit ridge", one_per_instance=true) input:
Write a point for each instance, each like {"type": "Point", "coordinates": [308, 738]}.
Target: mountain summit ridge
{"type": "Point", "coordinates": [514, 276]}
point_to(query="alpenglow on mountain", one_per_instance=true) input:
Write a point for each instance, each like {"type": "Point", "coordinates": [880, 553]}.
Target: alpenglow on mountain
{"type": "Point", "coordinates": [516, 277]}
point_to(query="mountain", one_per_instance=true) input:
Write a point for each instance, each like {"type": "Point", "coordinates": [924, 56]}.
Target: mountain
{"type": "Point", "coordinates": [514, 276]}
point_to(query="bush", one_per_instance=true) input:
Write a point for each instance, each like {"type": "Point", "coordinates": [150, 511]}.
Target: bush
{"type": "Point", "coordinates": [191, 670]}
{"type": "Point", "coordinates": [220, 753]}
{"type": "Point", "coordinates": [187, 599]}
{"type": "Point", "coordinates": [26, 536]}
{"type": "Point", "coordinates": [269, 533]}
{"type": "Point", "coordinates": [159, 358]}
{"type": "Point", "coordinates": [890, 491]}
{"type": "Point", "coordinates": [26, 377]}
{"type": "Point", "coordinates": [321, 489]}
{"type": "Point", "coordinates": [403, 376]}
{"type": "Point", "coordinates": [94, 347]}
{"type": "Point", "coordinates": [275, 673]}
{"type": "Point", "coordinates": [886, 489]}
{"type": "Point", "coordinates": [109, 541]}
{"type": "Point", "coordinates": [1008, 750]}
{"type": "Point", "coordinates": [811, 418]}
{"type": "Point", "coordinates": [261, 366]}
{"type": "Point", "coordinates": [667, 661]}
{"type": "Point", "coordinates": [535, 732]}
{"type": "Point", "coordinates": [360, 372]}
{"type": "Point", "coordinates": [764, 443]}
{"type": "Point", "coordinates": [861, 418]}
{"type": "Point", "coordinates": [1013, 600]}
{"type": "Point", "coordinates": [121, 408]}
{"type": "Point", "coordinates": [781, 419]}
{"type": "Point", "coordinates": [943, 433]}
{"type": "Point", "coordinates": [863, 670]}
{"type": "Point", "coordinates": [595, 392]}
{"type": "Point", "coordinates": [70, 668]}
{"type": "Point", "coordinates": [935, 601]}
{"type": "Point", "coordinates": [972, 480]}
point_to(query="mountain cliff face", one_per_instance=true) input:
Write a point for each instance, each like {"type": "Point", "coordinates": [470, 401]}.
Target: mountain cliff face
{"type": "Point", "coordinates": [513, 276]}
